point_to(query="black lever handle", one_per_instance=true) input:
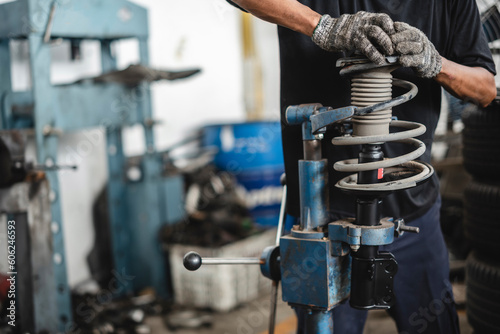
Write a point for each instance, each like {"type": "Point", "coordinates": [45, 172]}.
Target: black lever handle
{"type": "Point", "coordinates": [193, 261]}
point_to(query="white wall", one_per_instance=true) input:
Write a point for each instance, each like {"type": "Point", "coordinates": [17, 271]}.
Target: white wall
{"type": "Point", "coordinates": [183, 34]}
{"type": "Point", "coordinates": [187, 34]}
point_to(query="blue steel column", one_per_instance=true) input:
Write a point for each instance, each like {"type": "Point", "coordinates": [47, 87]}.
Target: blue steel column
{"type": "Point", "coordinates": [313, 193]}
{"type": "Point", "coordinates": [319, 322]}
{"type": "Point", "coordinates": [148, 241]}
{"type": "Point", "coordinates": [5, 82]}
{"type": "Point", "coordinates": [119, 220]}
{"type": "Point", "coordinates": [314, 205]}
{"type": "Point", "coordinates": [44, 111]}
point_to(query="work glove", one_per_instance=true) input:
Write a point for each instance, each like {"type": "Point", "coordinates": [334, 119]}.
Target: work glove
{"type": "Point", "coordinates": [363, 32]}
{"type": "Point", "coordinates": [415, 50]}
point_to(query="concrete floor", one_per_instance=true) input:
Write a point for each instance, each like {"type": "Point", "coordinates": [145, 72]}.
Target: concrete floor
{"type": "Point", "coordinates": [253, 317]}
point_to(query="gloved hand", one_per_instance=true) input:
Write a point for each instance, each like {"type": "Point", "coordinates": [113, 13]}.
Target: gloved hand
{"type": "Point", "coordinates": [361, 31]}
{"type": "Point", "coordinates": [416, 50]}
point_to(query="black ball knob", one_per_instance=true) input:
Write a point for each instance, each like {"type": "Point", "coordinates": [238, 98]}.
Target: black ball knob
{"type": "Point", "coordinates": [192, 261]}
{"type": "Point", "coordinates": [283, 179]}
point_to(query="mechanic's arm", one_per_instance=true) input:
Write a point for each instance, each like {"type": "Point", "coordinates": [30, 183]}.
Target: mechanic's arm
{"type": "Point", "coordinates": [467, 83]}
{"type": "Point", "coordinates": [361, 31]}
{"type": "Point", "coordinates": [287, 13]}
{"type": "Point", "coordinates": [415, 50]}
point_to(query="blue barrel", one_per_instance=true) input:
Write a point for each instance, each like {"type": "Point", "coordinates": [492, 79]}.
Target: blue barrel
{"type": "Point", "coordinates": [252, 152]}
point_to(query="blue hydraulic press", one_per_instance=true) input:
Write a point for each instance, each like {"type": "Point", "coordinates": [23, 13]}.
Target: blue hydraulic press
{"type": "Point", "coordinates": [137, 208]}
{"type": "Point", "coordinates": [322, 263]}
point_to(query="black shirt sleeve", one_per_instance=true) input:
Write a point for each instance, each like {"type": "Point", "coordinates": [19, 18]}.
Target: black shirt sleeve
{"type": "Point", "coordinates": [467, 44]}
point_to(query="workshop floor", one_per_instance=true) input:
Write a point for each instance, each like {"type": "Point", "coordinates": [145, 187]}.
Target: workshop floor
{"type": "Point", "coordinates": [252, 318]}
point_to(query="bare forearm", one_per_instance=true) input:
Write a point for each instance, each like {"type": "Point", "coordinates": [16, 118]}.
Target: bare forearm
{"type": "Point", "coordinates": [467, 83]}
{"type": "Point", "coordinates": [287, 13]}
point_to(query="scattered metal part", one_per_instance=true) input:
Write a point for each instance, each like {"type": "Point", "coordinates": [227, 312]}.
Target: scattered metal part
{"type": "Point", "coordinates": [217, 214]}
{"type": "Point", "coordinates": [143, 329]}
{"type": "Point", "coordinates": [136, 315]}
{"type": "Point", "coordinates": [49, 130]}
{"type": "Point", "coordinates": [135, 74]}
{"type": "Point", "coordinates": [400, 228]}
{"type": "Point", "coordinates": [104, 329]}
{"type": "Point", "coordinates": [143, 299]}
{"type": "Point", "coordinates": [126, 315]}
{"type": "Point", "coordinates": [188, 319]}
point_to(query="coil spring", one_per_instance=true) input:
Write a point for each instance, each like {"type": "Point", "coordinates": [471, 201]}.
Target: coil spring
{"type": "Point", "coordinates": [371, 88]}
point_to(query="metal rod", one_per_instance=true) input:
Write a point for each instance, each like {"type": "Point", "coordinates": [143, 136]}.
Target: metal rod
{"type": "Point", "coordinates": [52, 168]}
{"type": "Point", "coordinates": [274, 302]}
{"type": "Point", "coordinates": [48, 29]}
{"type": "Point", "coordinates": [282, 217]}
{"type": "Point", "coordinates": [411, 229]}
{"type": "Point", "coordinates": [312, 150]}
{"type": "Point", "coordinates": [213, 260]}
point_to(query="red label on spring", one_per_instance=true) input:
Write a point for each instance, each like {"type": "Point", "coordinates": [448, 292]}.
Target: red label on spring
{"type": "Point", "coordinates": [380, 174]}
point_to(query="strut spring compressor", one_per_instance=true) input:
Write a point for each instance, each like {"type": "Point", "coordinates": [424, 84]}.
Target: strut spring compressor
{"type": "Point", "coordinates": [377, 176]}
{"type": "Point", "coordinates": [322, 263]}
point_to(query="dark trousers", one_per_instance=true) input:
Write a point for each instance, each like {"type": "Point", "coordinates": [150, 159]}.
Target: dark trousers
{"type": "Point", "coordinates": [424, 299]}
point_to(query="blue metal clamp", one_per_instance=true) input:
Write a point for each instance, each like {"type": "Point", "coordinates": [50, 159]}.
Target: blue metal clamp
{"type": "Point", "coordinates": [315, 118]}
{"type": "Point", "coordinates": [355, 235]}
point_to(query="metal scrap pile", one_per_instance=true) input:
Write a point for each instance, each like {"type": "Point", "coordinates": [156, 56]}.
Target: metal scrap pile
{"type": "Point", "coordinates": [216, 214]}
{"type": "Point", "coordinates": [93, 314]}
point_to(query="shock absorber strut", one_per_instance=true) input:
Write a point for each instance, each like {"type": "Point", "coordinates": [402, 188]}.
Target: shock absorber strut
{"type": "Point", "coordinates": [371, 91]}
{"type": "Point", "coordinates": [376, 176]}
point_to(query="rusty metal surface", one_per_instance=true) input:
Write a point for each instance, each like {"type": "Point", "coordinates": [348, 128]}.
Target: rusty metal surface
{"type": "Point", "coordinates": [15, 198]}
{"type": "Point", "coordinates": [307, 266]}
{"type": "Point", "coordinates": [43, 280]}
{"type": "Point", "coordinates": [15, 141]}
{"type": "Point", "coordinates": [28, 204]}
{"type": "Point", "coordinates": [12, 151]}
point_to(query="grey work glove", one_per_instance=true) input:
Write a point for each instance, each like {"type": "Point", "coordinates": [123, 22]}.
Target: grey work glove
{"type": "Point", "coordinates": [415, 50]}
{"type": "Point", "coordinates": [362, 31]}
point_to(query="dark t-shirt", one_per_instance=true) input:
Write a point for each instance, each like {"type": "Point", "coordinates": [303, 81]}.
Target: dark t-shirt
{"type": "Point", "coordinates": [309, 75]}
